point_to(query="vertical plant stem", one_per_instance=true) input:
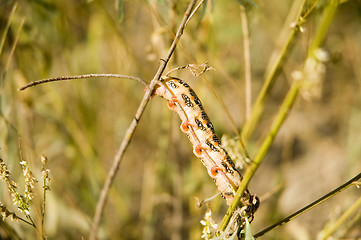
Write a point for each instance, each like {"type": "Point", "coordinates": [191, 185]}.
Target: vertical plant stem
{"type": "Point", "coordinates": [130, 131]}
{"type": "Point", "coordinates": [324, 25]}
{"type": "Point", "coordinates": [45, 176]}
{"type": "Point", "coordinates": [269, 81]}
{"type": "Point", "coordinates": [247, 61]}
{"type": "Point", "coordinates": [282, 114]}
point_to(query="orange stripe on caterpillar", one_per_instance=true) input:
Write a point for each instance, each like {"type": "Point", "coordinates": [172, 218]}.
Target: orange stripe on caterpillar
{"type": "Point", "coordinates": [206, 145]}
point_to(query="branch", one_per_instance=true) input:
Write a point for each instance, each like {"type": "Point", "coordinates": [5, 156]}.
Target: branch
{"type": "Point", "coordinates": [66, 78]}
{"type": "Point", "coordinates": [308, 207]}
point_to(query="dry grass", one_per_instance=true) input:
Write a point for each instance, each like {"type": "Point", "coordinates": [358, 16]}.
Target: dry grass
{"type": "Point", "coordinates": [79, 125]}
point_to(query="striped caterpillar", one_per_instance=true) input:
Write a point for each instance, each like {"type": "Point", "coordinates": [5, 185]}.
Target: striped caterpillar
{"type": "Point", "coordinates": [206, 145]}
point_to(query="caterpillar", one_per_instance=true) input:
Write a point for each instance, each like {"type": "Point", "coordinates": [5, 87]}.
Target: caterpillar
{"type": "Point", "coordinates": [206, 145]}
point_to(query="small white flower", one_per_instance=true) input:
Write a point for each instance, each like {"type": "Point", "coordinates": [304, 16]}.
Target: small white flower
{"type": "Point", "coordinates": [322, 55]}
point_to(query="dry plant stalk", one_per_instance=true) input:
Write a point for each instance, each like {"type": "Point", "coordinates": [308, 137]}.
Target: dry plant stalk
{"type": "Point", "coordinates": [129, 133]}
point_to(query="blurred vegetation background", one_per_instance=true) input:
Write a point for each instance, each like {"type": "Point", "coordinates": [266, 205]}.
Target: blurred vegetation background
{"type": "Point", "coordinates": [79, 124]}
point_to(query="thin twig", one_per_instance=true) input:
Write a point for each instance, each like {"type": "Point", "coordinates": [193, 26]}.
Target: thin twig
{"type": "Point", "coordinates": [129, 133]}
{"type": "Point", "coordinates": [195, 10]}
{"type": "Point", "coordinates": [9, 230]}
{"type": "Point", "coordinates": [16, 217]}
{"type": "Point", "coordinates": [309, 10]}
{"type": "Point", "coordinates": [193, 68]}
{"type": "Point", "coordinates": [45, 176]}
{"type": "Point", "coordinates": [65, 78]}
{"type": "Point", "coordinates": [308, 207]}
{"type": "Point", "coordinates": [190, 58]}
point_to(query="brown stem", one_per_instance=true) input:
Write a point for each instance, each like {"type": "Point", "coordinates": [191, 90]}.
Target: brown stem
{"type": "Point", "coordinates": [129, 133]}
{"type": "Point", "coordinates": [65, 78]}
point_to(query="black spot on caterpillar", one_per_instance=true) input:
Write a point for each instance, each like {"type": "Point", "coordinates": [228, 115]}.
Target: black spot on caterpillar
{"type": "Point", "coordinates": [199, 124]}
{"type": "Point", "coordinates": [187, 100]}
{"type": "Point", "coordinates": [172, 85]}
{"type": "Point", "coordinates": [212, 147]}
